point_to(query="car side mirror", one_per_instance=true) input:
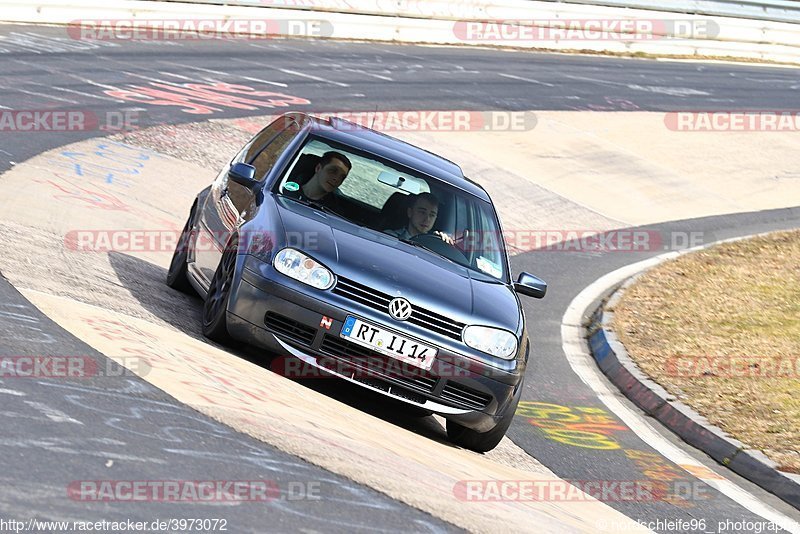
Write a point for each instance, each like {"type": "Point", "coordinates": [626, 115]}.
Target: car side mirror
{"type": "Point", "coordinates": [531, 286]}
{"type": "Point", "coordinates": [244, 175]}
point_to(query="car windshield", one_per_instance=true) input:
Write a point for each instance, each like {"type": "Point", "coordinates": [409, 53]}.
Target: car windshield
{"type": "Point", "coordinates": [414, 208]}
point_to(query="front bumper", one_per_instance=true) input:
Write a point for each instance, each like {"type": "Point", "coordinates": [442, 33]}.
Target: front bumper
{"type": "Point", "coordinates": [290, 322]}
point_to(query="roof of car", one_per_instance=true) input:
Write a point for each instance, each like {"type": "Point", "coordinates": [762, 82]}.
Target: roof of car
{"type": "Point", "coordinates": [361, 137]}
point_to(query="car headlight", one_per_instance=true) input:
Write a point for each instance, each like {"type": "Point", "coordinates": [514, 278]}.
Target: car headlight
{"type": "Point", "coordinates": [494, 341]}
{"type": "Point", "coordinates": [297, 265]}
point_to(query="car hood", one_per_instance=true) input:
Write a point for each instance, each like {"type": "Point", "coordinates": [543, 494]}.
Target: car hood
{"type": "Point", "coordinates": [390, 266]}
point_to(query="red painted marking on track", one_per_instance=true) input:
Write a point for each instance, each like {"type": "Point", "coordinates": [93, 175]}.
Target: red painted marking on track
{"type": "Point", "coordinates": [91, 197]}
{"type": "Point", "coordinates": [205, 99]}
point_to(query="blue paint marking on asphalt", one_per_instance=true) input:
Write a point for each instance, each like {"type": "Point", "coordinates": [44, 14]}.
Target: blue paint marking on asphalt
{"type": "Point", "coordinates": [110, 174]}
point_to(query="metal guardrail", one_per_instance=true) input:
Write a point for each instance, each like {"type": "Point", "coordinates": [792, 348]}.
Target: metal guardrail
{"type": "Point", "coordinates": [773, 10]}
{"type": "Point", "coordinates": [435, 22]}
{"type": "Point", "coordinates": [767, 10]}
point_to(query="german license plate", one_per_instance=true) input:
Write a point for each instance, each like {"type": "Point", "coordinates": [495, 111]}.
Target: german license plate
{"type": "Point", "coordinates": [388, 343]}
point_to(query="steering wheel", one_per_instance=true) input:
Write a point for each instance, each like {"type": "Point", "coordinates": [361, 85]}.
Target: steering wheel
{"type": "Point", "coordinates": [439, 246]}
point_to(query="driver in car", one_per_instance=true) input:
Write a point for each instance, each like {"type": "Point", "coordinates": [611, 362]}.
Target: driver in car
{"type": "Point", "coordinates": [421, 218]}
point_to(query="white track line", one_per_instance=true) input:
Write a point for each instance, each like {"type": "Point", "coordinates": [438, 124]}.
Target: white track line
{"type": "Point", "coordinates": [595, 80]}
{"type": "Point", "coordinates": [43, 95]}
{"type": "Point", "coordinates": [52, 413]}
{"type": "Point", "coordinates": [310, 77]}
{"type": "Point", "coordinates": [97, 84]}
{"type": "Point", "coordinates": [529, 80]}
{"type": "Point", "coordinates": [272, 46]}
{"type": "Point", "coordinates": [178, 76]}
{"type": "Point", "coordinates": [372, 74]}
{"type": "Point", "coordinates": [199, 69]}
{"type": "Point", "coordinates": [576, 350]}
{"type": "Point", "coordinates": [150, 78]}
{"type": "Point", "coordinates": [81, 93]}
{"type": "Point", "coordinates": [85, 80]}
{"type": "Point", "coordinates": [250, 78]}
{"type": "Point", "coordinates": [50, 70]}
{"type": "Point", "coordinates": [227, 76]}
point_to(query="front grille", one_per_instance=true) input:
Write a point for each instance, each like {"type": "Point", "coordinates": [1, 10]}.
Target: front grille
{"type": "Point", "coordinates": [464, 396]}
{"type": "Point", "coordinates": [284, 326]}
{"type": "Point", "coordinates": [372, 362]}
{"type": "Point", "coordinates": [413, 380]}
{"type": "Point", "coordinates": [382, 385]}
{"type": "Point", "coordinates": [380, 301]}
{"type": "Point", "coordinates": [362, 294]}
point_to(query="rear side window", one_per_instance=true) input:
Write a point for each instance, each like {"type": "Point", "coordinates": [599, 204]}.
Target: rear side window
{"type": "Point", "coordinates": [259, 141]}
{"type": "Point", "coordinates": [265, 160]}
{"type": "Point", "coordinates": [266, 147]}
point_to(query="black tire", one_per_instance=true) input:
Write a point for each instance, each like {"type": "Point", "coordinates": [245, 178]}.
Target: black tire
{"type": "Point", "coordinates": [178, 275]}
{"type": "Point", "coordinates": [215, 307]}
{"type": "Point", "coordinates": [484, 441]}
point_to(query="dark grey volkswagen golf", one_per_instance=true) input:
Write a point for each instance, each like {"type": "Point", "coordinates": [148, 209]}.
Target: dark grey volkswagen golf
{"type": "Point", "coordinates": [363, 257]}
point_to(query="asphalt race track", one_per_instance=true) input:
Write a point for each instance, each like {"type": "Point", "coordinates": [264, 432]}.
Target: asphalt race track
{"type": "Point", "coordinates": [151, 437]}
{"type": "Point", "coordinates": [156, 437]}
{"type": "Point", "coordinates": [43, 68]}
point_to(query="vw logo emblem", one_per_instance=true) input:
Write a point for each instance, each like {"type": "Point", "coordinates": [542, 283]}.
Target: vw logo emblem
{"type": "Point", "coordinates": [400, 309]}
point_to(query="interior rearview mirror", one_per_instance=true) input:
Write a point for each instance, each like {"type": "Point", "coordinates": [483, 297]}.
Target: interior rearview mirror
{"type": "Point", "coordinates": [406, 183]}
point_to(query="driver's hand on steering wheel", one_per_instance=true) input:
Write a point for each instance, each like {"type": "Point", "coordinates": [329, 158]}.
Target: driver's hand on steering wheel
{"type": "Point", "coordinates": [447, 238]}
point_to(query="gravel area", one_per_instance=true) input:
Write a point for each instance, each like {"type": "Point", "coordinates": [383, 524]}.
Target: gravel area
{"type": "Point", "coordinates": [208, 144]}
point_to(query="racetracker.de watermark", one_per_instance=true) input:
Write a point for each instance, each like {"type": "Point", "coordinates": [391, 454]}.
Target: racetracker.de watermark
{"type": "Point", "coordinates": [592, 241]}
{"type": "Point", "coordinates": [428, 121]}
{"type": "Point", "coordinates": [580, 490]}
{"type": "Point", "coordinates": [733, 121]}
{"type": "Point", "coordinates": [194, 29]}
{"type": "Point", "coordinates": [48, 120]}
{"type": "Point", "coordinates": [366, 367]}
{"type": "Point", "coordinates": [173, 490]}
{"type": "Point", "coordinates": [584, 30]}
{"type": "Point", "coordinates": [70, 367]}
{"type": "Point", "coordinates": [193, 491]}
{"type": "Point", "coordinates": [733, 366]}
{"type": "Point", "coordinates": [585, 240]}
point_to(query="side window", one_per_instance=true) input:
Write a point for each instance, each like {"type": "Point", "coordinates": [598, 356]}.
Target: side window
{"type": "Point", "coordinates": [488, 257]}
{"type": "Point", "coordinates": [267, 157]}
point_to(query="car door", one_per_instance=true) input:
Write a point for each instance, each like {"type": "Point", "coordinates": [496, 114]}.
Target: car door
{"type": "Point", "coordinates": [229, 204]}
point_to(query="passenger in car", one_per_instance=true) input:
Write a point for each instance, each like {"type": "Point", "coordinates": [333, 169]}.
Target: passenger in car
{"type": "Point", "coordinates": [421, 218]}
{"type": "Point", "coordinates": [328, 175]}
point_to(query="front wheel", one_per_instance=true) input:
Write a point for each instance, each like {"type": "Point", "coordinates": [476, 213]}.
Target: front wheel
{"type": "Point", "coordinates": [484, 441]}
{"type": "Point", "coordinates": [215, 308]}
{"type": "Point", "coordinates": [178, 274]}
